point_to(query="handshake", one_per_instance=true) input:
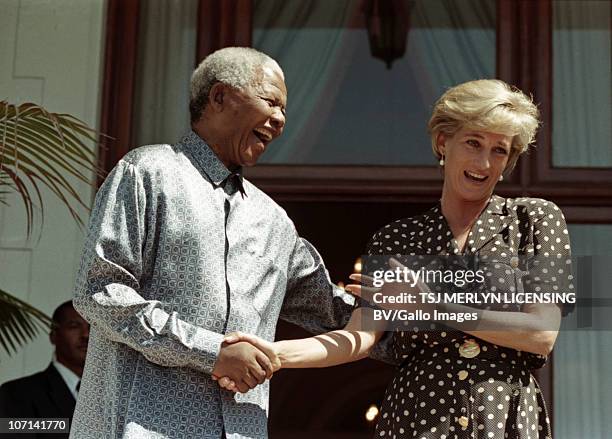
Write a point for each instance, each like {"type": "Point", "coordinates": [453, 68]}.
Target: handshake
{"type": "Point", "coordinates": [245, 361]}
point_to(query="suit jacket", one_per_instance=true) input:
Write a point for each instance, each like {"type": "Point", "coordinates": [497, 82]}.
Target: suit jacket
{"type": "Point", "coordinates": [42, 395]}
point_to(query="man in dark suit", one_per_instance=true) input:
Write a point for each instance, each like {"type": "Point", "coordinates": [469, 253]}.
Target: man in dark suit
{"type": "Point", "coordinates": [52, 392]}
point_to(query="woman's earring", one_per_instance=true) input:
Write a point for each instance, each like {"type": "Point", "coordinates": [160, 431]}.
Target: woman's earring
{"type": "Point", "coordinates": [501, 178]}
{"type": "Point", "coordinates": [441, 161]}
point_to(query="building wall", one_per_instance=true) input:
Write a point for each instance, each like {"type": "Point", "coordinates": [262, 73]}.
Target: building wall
{"type": "Point", "coordinates": [51, 53]}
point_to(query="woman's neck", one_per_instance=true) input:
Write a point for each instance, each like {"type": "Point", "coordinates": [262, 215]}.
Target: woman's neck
{"type": "Point", "coordinates": [461, 214]}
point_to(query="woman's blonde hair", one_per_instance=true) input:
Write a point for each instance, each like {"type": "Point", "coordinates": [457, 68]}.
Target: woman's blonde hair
{"type": "Point", "coordinates": [488, 105]}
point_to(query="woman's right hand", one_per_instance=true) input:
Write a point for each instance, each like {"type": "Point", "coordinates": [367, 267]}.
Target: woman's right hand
{"type": "Point", "coordinates": [366, 290]}
{"type": "Point", "coordinates": [269, 349]}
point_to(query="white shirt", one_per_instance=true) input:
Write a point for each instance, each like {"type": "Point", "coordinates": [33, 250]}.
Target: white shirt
{"type": "Point", "coordinates": [70, 378]}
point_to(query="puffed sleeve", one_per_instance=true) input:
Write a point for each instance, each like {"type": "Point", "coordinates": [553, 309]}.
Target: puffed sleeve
{"type": "Point", "coordinates": [550, 268]}
{"type": "Point", "coordinates": [383, 350]}
{"type": "Point", "coordinates": [108, 289]}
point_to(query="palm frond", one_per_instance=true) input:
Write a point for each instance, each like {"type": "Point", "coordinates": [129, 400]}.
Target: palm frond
{"type": "Point", "coordinates": [6, 186]}
{"type": "Point", "coordinates": [19, 322]}
{"type": "Point", "coordinates": [39, 148]}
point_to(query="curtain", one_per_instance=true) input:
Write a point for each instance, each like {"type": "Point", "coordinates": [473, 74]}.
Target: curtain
{"type": "Point", "coordinates": [582, 74]}
{"type": "Point", "coordinates": [310, 42]}
{"type": "Point", "coordinates": [453, 42]}
{"type": "Point", "coordinates": [167, 49]}
{"type": "Point", "coordinates": [346, 107]}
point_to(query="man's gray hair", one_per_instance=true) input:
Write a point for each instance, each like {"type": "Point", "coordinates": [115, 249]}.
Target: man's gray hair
{"type": "Point", "coordinates": [238, 67]}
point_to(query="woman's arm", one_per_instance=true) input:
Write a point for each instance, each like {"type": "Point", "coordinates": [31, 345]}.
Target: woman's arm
{"type": "Point", "coordinates": [330, 349]}
{"type": "Point", "coordinates": [534, 329]}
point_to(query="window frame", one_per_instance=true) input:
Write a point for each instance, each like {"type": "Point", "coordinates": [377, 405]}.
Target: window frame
{"type": "Point", "coordinates": [524, 59]}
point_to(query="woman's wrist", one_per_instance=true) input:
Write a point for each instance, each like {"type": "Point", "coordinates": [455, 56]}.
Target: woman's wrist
{"type": "Point", "coordinates": [281, 351]}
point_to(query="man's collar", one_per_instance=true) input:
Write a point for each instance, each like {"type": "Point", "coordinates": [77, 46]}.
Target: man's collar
{"type": "Point", "coordinates": [70, 378]}
{"type": "Point", "coordinates": [208, 161]}
{"type": "Point", "coordinates": [240, 182]}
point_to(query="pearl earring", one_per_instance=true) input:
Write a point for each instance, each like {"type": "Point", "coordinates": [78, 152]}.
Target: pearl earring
{"type": "Point", "coordinates": [501, 178]}
{"type": "Point", "coordinates": [441, 161]}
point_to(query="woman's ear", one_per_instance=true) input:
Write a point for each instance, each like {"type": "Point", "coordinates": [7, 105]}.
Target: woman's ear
{"type": "Point", "coordinates": [441, 144]}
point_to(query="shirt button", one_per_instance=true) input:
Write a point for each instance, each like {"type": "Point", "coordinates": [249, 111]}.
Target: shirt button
{"type": "Point", "coordinates": [463, 421]}
{"type": "Point", "coordinates": [462, 374]}
{"type": "Point", "coordinates": [469, 349]}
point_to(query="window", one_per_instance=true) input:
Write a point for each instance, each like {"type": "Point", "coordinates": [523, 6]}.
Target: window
{"type": "Point", "coordinates": [347, 107]}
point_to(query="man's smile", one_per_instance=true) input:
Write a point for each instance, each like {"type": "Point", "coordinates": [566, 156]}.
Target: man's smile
{"type": "Point", "coordinates": [264, 135]}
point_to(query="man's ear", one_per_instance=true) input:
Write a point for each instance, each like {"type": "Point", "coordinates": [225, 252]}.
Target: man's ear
{"type": "Point", "coordinates": [217, 96]}
{"type": "Point", "coordinates": [52, 335]}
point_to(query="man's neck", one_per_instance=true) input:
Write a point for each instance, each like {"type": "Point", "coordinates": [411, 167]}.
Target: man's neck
{"type": "Point", "coordinates": [212, 140]}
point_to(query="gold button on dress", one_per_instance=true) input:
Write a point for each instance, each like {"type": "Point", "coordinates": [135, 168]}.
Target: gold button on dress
{"type": "Point", "coordinates": [469, 349]}
{"type": "Point", "coordinates": [514, 261]}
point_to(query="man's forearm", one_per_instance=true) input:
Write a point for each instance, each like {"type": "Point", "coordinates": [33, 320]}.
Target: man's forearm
{"type": "Point", "coordinates": [122, 315]}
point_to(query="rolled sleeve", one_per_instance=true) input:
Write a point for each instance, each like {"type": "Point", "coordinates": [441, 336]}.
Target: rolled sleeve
{"type": "Point", "coordinates": [383, 350]}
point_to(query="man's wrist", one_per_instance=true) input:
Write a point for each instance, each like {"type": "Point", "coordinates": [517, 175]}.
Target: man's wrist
{"type": "Point", "coordinates": [209, 347]}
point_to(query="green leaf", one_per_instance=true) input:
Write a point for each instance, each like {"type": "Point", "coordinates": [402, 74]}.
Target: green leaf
{"type": "Point", "coordinates": [39, 148]}
{"type": "Point", "coordinates": [19, 322]}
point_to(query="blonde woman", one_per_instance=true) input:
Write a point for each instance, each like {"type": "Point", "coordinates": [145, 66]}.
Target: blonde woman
{"type": "Point", "coordinates": [463, 383]}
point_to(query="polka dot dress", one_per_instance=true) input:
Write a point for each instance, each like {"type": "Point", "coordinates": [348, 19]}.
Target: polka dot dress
{"type": "Point", "coordinates": [451, 385]}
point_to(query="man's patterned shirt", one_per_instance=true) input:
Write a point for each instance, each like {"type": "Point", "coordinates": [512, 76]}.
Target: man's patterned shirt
{"type": "Point", "coordinates": [179, 252]}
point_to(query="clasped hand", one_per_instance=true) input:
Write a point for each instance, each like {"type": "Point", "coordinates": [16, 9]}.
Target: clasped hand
{"type": "Point", "coordinates": [244, 362]}
{"type": "Point", "coordinates": [247, 360]}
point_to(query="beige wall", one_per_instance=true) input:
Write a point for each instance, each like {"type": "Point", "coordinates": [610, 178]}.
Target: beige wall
{"type": "Point", "coordinates": [51, 53]}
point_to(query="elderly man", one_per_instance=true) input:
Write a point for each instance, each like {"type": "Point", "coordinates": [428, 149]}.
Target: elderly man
{"type": "Point", "coordinates": [181, 250]}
